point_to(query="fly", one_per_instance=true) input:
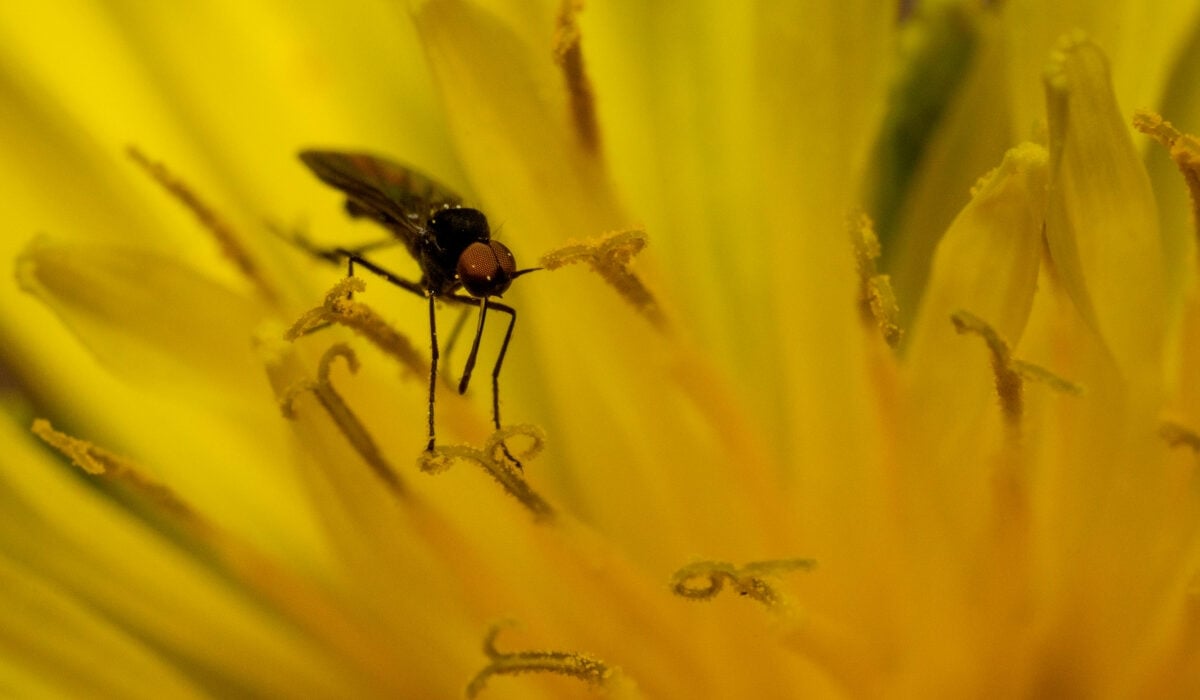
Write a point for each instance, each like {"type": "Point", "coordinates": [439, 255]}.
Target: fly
{"type": "Point", "coordinates": [452, 244]}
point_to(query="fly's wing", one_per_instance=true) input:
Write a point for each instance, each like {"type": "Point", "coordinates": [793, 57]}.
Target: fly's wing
{"type": "Point", "coordinates": [396, 196]}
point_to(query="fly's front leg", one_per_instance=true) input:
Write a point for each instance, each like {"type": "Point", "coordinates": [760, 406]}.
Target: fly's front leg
{"type": "Point", "coordinates": [484, 305]}
{"type": "Point", "coordinates": [471, 356]}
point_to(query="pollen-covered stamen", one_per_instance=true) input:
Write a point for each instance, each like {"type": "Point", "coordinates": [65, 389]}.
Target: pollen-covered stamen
{"type": "Point", "coordinates": [586, 668]}
{"type": "Point", "coordinates": [876, 300]}
{"type": "Point", "coordinates": [703, 580]}
{"type": "Point", "coordinates": [227, 239]}
{"type": "Point", "coordinates": [493, 458]}
{"type": "Point", "coordinates": [1184, 150]}
{"type": "Point", "coordinates": [1009, 372]}
{"type": "Point", "coordinates": [1008, 383]}
{"type": "Point", "coordinates": [609, 256]}
{"type": "Point", "coordinates": [341, 309]}
{"type": "Point", "coordinates": [333, 403]}
{"type": "Point", "coordinates": [98, 461]}
{"type": "Point", "coordinates": [568, 53]}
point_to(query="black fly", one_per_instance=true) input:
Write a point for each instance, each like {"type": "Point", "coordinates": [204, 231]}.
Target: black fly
{"type": "Point", "coordinates": [451, 243]}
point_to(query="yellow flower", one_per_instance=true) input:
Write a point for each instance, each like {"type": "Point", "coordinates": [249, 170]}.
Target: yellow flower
{"type": "Point", "coordinates": [947, 454]}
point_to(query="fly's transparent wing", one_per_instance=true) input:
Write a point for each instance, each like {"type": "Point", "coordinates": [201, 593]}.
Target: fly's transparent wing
{"type": "Point", "coordinates": [397, 196]}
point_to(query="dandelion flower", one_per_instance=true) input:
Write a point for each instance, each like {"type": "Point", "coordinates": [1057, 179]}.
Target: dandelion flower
{"type": "Point", "coordinates": [802, 412]}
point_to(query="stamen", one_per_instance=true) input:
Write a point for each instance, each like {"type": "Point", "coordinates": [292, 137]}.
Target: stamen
{"type": "Point", "coordinates": [586, 668]}
{"type": "Point", "coordinates": [609, 256]}
{"type": "Point", "coordinates": [1010, 372]}
{"type": "Point", "coordinates": [97, 461]}
{"type": "Point", "coordinates": [1008, 382]}
{"type": "Point", "coordinates": [703, 580]}
{"type": "Point", "coordinates": [494, 462]}
{"type": "Point", "coordinates": [569, 56]}
{"type": "Point", "coordinates": [227, 239]}
{"type": "Point", "coordinates": [876, 300]}
{"type": "Point", "coordinates": [1184, 150]}
{"type": "Point", "coordinates": [356, 433]}
{"type": "Point", "coordinates": [835, 647]}
{"type": "Point", "coordinates": [341, 309]}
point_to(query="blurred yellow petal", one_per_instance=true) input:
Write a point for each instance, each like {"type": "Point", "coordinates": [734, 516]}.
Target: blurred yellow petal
{"type": "Point", "coordinates": [77, 657]}
{"type": "Point", "coordinates": [510, 108]}
{"type": "Point", "coordinates": [715, 145]}
{"type": "Point", "coordinates": [988, 260]}
{"type": "Point", "coordinates": [125, 306]}
{"type": "Point", "coordinates": [103, 558]}
{"type": "Point", "coordinates": [1142, 39]}
{"type": "Point", "coordinates": [1176, 204]}
{"type": "Point", "coordinates": [1102, 224]}
{"type": "Point", "coordinates": [966, 134]}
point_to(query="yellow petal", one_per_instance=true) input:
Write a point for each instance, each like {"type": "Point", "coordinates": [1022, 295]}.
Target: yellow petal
{"type": "Point", "coordinates": [738, 133]}
{"type": "Point", "coordinates": [170, 603]}
{"type": "Point", "coordinates": [1102, 225]}
{"type": "Point", "coordinates": [987, 262]}
{"type": "Point", "coordinates": [986, 265]}
{"type": "Point", "coordinates": [149, 318]}
{"type": "Point", "coordinates": [163, 329]}
{"type": "Point", "coordinates": [1141, 38]}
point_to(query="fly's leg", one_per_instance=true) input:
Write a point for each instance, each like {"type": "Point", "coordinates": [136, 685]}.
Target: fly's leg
{"type": "Point", "coordinates": [433, 363]}
{"type": "Point", "coordinates": [484, 305]}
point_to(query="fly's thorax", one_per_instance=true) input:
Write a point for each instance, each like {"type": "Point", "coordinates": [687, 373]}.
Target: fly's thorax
{"type": "Point", "coordinates": [446, 234]}
{"type": "Point", "coordinates": [452, 229]}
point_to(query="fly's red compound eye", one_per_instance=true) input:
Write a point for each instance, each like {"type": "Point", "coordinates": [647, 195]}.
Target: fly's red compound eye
{"type": "Point", "coordinates": [486, 269]}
